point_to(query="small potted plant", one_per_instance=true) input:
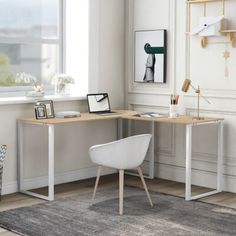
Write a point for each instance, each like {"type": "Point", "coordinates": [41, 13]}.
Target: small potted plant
{"type": "Point", "coordinates": [63, 83]}
{"type": "Point", "coordinates": [28, 79]}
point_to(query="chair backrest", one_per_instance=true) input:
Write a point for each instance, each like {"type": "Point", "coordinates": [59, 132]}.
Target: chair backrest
{"type": "Point", "coordinates": [127, 153]}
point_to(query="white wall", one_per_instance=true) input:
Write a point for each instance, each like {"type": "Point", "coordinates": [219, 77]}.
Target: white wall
{"type": "Point", "coordinates": [72, 142]}
{"type": "Point", "coordinates": [108, 49]}
{"type": "Point", "coordinates": [206, 68]}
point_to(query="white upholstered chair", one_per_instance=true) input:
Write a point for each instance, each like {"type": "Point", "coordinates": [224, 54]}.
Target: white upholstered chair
{"type": "Point", "coordinates": [127, 153]}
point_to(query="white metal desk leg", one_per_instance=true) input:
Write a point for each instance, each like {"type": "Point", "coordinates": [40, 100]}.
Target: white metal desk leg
{"type": "Point", "coordinates": [220, 156]}
{"type": "Point", "coordinates": [151, 152]}
{"type": "Point", "coordinates": [188, 162]}
{"type": "Point", "coordinates": [119, 128]}
{"type": "Point", "coordinates": [129, 128]}
{"type": "Point", "coordinates": [20, 137]}
{"type": "Point", "coordinates": [50, 162]}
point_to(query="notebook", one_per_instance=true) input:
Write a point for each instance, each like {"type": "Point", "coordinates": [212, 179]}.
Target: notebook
{"type": "Point", "coordinates": [98, 103]}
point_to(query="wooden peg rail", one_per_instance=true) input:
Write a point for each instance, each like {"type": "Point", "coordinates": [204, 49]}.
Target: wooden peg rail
{"type": "Point", "coordinates": [202, 1]}
{"type": "Point", "coordinates": [231, 34]}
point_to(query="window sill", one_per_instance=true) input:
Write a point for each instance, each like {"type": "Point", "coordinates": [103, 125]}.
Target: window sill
{"type": "Point", "coordinates": [23, 100]}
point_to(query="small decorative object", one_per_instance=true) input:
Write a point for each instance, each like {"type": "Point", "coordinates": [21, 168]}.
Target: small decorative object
{"type": "Point", "coordinates": [213, 27]}
{"type": "Point", "coordinates": [49, 107]}
{"type": "Point", "coordinates": [150, 56]}
{"type": "Point", "coordinates": [28, 79]}
{"type": "Point", "coordinates": [208, 26]}
{"type": "Point", "coordinates": [187, 83]}
{"type": "Point", "coordinates": [3, 150]}
{"type": "Point", "coordinates": [226, 56]}
{"type": "Point", "coordinates": [173, 112]}
{"type": "Point", "coordinates": [62, 83]}
{"type": "Point", "coordinates": [40, 112]}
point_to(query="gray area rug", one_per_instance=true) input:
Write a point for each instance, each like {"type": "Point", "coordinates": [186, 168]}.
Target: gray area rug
{"type": "Point", "coordinates": [74, 216]}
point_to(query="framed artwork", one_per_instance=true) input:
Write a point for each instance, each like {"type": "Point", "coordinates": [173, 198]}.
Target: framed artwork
{"type": "Point", "coordinates": [40, 112]}
{"type": "Point", "coordinates": [49, 107]}
{"type": "Point", "coordinates": [150, 56]}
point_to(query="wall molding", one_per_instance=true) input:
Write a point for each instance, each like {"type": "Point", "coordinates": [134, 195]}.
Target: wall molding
{"type": "Point", "coordinates": [229, 161]}
{"type": "Point", "coordinates": [169, 150]}
{"type": "Point", "coordinates": [218, 111]}
{"type": "Point", "coordinates": [158, 108]}
{"type": "Point", "coordinates": [199, 177]}
{"type": "Point", "coordinates": [197, 156]}
{"type": "Point", "coordinates": [60, 178]}
{"type": "Point", "coordinates": [167, 155]}
{"type": "Point", "coordinates": [211, 158]}
{"type": "Point", "coordinates": [151, 92]}
{"type": "Point", "coordinates": [215, 93]}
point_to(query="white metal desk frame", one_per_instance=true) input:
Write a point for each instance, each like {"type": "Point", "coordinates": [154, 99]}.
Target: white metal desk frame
{"type": "Point", "coordinates": [21, 189]}
{"type": "Point", "coordinates": [188, 158]}
{"type": "Point", "coordinates": [20, 164]}
{"type": "Point", "coordinates": [188, 196]}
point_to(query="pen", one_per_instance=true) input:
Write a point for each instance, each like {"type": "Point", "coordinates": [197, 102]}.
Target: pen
{"type": "Point", "coordinates": [174, 99]}
{"type": "Point", "coordinates": [171, 99]}
{"type": "Point", "coordinates": [177, 99]}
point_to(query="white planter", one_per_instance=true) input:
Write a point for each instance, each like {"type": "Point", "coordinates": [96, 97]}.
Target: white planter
{"type": "Point", "coordinates": [63, 90]}
{"type": "Point", "coordinates": [67, 89]}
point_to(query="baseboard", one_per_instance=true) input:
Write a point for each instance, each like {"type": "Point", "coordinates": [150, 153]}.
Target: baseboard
{"type": "Point", "coordinates": [199, 177]}
{"type": "Point", "coordinates": [163, 171]}
{"type": "Point", "coordinates": [38, 182]}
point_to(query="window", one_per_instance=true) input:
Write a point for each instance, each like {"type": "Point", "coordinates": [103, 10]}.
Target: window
{"type": "Point", "coordinates": [41, 38]}
{"type": "Point", "coordinates": [29, 41]}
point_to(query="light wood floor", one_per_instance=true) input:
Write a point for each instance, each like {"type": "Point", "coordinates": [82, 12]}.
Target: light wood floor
{"type": "Point", "coordinates": [17, 200]}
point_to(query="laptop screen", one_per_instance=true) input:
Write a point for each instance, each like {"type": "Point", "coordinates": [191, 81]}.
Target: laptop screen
{"type": "Point", "coordinates": [98, 102]}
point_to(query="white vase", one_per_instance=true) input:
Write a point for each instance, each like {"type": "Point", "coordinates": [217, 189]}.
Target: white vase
{"type": "Point", "coordinates": [67, 89]}
{"type": "Point", "coordinates": [63, 89]}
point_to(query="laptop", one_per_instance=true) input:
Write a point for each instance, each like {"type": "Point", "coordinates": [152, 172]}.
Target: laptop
{"type": "Point", "coordinates": [98, 103]}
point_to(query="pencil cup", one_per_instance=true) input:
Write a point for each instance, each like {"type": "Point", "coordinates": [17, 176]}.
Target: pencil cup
{"type": "Point", "coordinates": [173, 112]}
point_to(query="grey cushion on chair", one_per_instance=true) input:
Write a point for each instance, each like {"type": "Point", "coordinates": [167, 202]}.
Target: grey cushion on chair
{"type": "Point", "coordinates": [3, 150]}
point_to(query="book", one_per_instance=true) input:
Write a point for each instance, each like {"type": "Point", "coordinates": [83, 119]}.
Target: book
{"type": "Point", "coordinates": [150, 115]}
{"type": "Point", "coordinates": [67, 114]}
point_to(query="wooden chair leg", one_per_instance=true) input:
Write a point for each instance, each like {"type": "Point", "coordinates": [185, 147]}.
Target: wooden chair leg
{"type": "Point", "coordinates": [144, 185]}
{"type": "Point", "coordinates": [121, 191]}
{"type": "Point", "coordinates": [96, 183]}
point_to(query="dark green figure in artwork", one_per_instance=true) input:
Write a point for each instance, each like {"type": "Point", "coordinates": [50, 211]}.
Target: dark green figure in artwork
{"type": "Point", "coordinates": [151, 61]}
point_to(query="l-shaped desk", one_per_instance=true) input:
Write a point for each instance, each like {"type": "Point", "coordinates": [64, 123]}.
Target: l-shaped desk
{"type": "Point", "coordinates": [187, 121]}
